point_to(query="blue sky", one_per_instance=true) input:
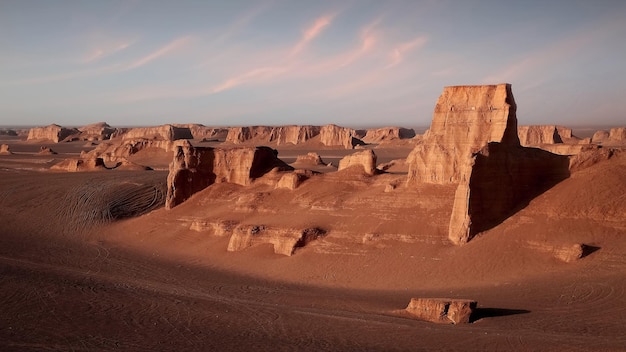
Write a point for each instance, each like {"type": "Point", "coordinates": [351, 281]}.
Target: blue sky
{"type": "Point", "coordinates": [272, 62]}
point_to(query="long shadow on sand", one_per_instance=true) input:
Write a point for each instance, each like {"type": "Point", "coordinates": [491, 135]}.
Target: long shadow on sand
{"type": "Point", "coordinates": [481, 313]}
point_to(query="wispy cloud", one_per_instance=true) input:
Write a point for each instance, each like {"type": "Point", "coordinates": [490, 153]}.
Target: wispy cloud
{"type": "Point", "coordinates": [104, 50]}
{"type": "Point", "coordinates": [255, 75]}
{"type": "Point", "coordinates": [170, 47]}
{"type": "Point", "coordinates": [311, 33]}
{"type": "Point", "coordinates": [398, 53]}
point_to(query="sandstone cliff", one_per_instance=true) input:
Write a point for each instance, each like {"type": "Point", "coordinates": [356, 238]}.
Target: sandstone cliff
{"type": "Point", "coordinates": [120, 150]}
{"type": "Point", "coordinates": [54, 133]}
{"type": "Point", "coordinates": [466, 118]}
{"type": "Point", "coordinates": [77, 165]}
{"type": "Point", "coordinates": [239, 135]}
{"type": "Point", "coordinates": [618, 134]}
{"type": "Point", "coordinates": [293, 134]}
{"type": "Point", "coordinates": [473, 142]}
{"type": "Point", "coordinates": [378, 135]}
{"type": "Point", "coordinates": [163, 132]}
{"type": "Point", "coordinates": [194, 169]}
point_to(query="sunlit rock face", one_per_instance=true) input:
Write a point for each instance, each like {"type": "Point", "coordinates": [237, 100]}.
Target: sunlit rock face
{"type": "Point", "coordinates": [473, 142]}
{"type": "Point", "coordinates": [465, 119]}
{"type": "Point", "coordinates": [194, 169]}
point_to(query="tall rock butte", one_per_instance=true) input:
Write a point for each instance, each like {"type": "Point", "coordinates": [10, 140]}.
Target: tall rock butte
{"type": "Point", "coordinates": [473, 142]}
{"type": "Point", "coordinates": [466, 118]}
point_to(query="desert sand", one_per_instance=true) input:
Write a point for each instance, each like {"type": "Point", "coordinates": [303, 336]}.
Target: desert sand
{"type": "Point", "coordinates": [92, 259]}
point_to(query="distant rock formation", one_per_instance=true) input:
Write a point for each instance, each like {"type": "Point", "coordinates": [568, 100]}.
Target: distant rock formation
{"type": "Point", "coordinates": [77, 165]}
{"type": "Point", "coordinates": [378, 135]}
{"type": "Point", "coordinates": [46, 151]}
{"type": "Point", "coordinates": [366, 159]}
{"type": "Point", "coordinates": [618, 134]}
{"type": "Point", "coordinates": [539, 134]}
{"type": "Point", "coordinates": [473, 142]}
{"type": "Point", "coordinates": [194, 169]}
{"type": "Point", "coordinates": [163, 132]}
{"type": "Point", "coordinates": [600, 136]}
{"type": "Point", "coordinates": [239, 135]}
{"type": "Point", "coordinates": [8, 132]}
{"type": "Point", "coordinates": [120, 150]}
{"type": "Point", "coordinates": [95, 132]}
{"type": "Point", "coordinates": [5, 150]}
{"type": "Point", "coordinates": [203, 132]}
{"type": "Point", "coordinates": [310, 158]}
{"type": "Point", "coordinates": [333, 135]}
{"type": "Point", "coordinates": [279, 134]}
{"type": "Point", "coordinates": [54, 133]}
{"type": "Point", "coordinates": [442, 310]}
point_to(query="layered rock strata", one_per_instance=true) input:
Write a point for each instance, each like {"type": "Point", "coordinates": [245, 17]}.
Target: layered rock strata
{"type": "Point", "coordinates": [163, 132]}
{"type": "Point", "coordinates": [54, 133]}
{"type": "Point", "coordinates": [473, 142]}
{"type": "Point", "coordinates": [194, 169]}
{"type": "Point", "coordinates": [377, 135]}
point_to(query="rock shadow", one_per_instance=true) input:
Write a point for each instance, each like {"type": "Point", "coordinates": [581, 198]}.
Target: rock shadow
{"type": "Point", "coordinates": [481, 313]}
{"type": "Point", "coordinates": [587, 250]}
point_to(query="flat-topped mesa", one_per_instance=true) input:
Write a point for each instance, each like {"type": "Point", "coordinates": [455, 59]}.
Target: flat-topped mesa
{"type": "Point", "coordinates": [54, 133]}
{"type": "Point", "coordinates": [465, 119]}
{"type": "Point", "coordinates": [293, 134]}
{"type": "Point", "coordinates": [239, 135]}
{"type": "Point", "coordinates": [333, 135]}
{"type": "Point", "coordinates": [113, 151]}
{"type": "Point", "coordinates": [194, 169]}
{"type": "Point", "coordinates": [163, 132]}
{"type": "Point", "coordinates": [377, 135]}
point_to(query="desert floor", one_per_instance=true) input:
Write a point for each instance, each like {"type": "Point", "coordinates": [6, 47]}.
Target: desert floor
{"type": "Point", "coordinates": [73, 281]}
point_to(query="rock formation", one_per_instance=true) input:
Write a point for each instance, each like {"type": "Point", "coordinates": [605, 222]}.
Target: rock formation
{"type": "Point", "coordinates": [377, 135]}
{"type": "Point", "coordinates": [442, 310]}
{"type": "Point", "coordinates": [203, 132]}
{"type": "Point", "coordinates": [5, 150]}
{"type": "Point", "coordinates": [473, 142]}
{"type": "Point", "coordinates": [46, 151]}
{"type": "Point", "coordinates": [311, 158]}
{"type": "Point", "coordinates": [284, 240]}
{"type": "Point", "coordinates": [163, 132]}
{"type": "Point", "coordinates": [120, 150]}
{"type": "Point", "coordinates": [466, 118]}
{"type": "Point", "coordinates": [538, 135]}
{"type": "Point", "coordinates": [366, 159]}
{"type": "Point", "coordinates": [77, 165]}
{"type": "Point", "coordinates": [293, 179]}
{"type": "Point", "coordinates": [239, 135]}
{"type": "Point", "coordinates": [618, 134]}
{"type": "Point", "coordinates": [54, 133]}
{"type": "Point", "coordinates": [333, 135]}
{"type": "Point", "coordinates": [564, 252]}
{"type": "Point", "coordinates": [265, 134]}
{"type": "Point", "coordinates": [600, 136]}
{"type": "Point", "coordinates": [96, 132]}
{"type": "Point", "coordinates": [194, 169]}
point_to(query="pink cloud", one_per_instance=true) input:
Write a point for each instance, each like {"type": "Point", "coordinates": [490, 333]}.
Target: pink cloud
{"type": "Point", "coordinates": [105, 50]}
{"type": "Point", "coordinates": [311, 33]}
{"type": "Point", "coordinates": [255, 75]}
{"type": "Point", "coordinates": [398, 53]}
{"type": "Point", "coordinates": [167, 49]}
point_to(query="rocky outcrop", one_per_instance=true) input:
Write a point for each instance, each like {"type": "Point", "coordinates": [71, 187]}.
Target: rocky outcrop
{"type": "Point", "coordinates": [5, 150]}
{"type": "Point", "coordinates": [565, 252]}
{"type": "Point", "coordinates": [600, 136]}
{"type": "Point", "coordinates": [77, 165]}
{"type": "Point", "coordinates": [239, 135]}
{"type": "Point", "coordinates": [293, 179]}
{"type": "Point", "coordinates": [120, 150]}
{"type": "Point", "coordinates": [293, 134]}
{"type": "Point", "coordinates": [378, 135]}
{"type": "Point", "coordinates": [590, 156]}
{"type": "Point", "coordinates": [163, 132]}
{"type": "Point", "coordinates": [95, 132]}
{"type": "Point", "coordinates": [618, 134]}
{"type": "Point", "coordinates": [365, 159]}
{"type": "Point", "coordinates": [311, 158]}
{"type": "Point", "coordinates": [54, 133]}
{"type": "Point", "coordinates": [203, 132]}
{"type": "Point", "coordinates": [194, 169]}
{"type": "Point", "coordinates": [466, 118]}
{"type": "Point", "coordinates": [333, 135]}
{"type": "Point", "coordinates": [473, 142]}
{"type": "Point", "coordinates": [284, 240]}
{"type": "Point", "coordinates": [442, 310]}
{"type": "Point", "coordinates": [46, 151]}
{"type": "Point", "coordinates": [539, 134]}
{"type": "Point", "coordinates": [500, 180]}
{"type": "Point", "coordinates": [265, 134]}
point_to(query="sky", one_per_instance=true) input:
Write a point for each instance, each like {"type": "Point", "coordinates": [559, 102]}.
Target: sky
{"type": "Point", "coordinates": [275, 62]}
